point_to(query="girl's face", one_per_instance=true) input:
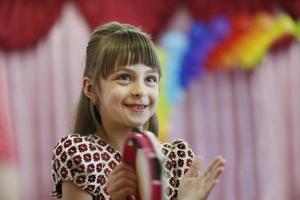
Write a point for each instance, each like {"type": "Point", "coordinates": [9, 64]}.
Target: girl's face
{"type": "Point", "coordinates": [129, 96]}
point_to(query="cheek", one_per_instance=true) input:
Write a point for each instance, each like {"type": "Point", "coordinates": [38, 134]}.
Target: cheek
{"type": "Point", "coordinates": [155, 96]}
{"type": "Point", "coordinates": [115, 97]}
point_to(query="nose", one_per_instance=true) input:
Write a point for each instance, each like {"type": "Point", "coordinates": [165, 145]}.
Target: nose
{"type": "Point", "coordinates": [139, 89]}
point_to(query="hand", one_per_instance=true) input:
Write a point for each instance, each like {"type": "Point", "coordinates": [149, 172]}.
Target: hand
{"type": "Point", "coordinates": [121, 182]}
{"type": "Point", "coordinates": [197, 185]}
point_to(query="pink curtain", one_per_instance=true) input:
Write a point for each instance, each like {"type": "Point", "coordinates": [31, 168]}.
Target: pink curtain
{"type": "Point", "coordinates": [249, 117]}
{"type": "Point", "coordinates": [9, 176]}
{"type": "Point", "coordinates": [44, 83]}
{"type": "Point", "coordinates": [252, 119]}
{"type": "Point", "coordinates": [7, 138]}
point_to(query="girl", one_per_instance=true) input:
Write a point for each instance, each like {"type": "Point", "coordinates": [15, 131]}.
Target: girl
{"type": "Point", "coordinates": [120, 92]}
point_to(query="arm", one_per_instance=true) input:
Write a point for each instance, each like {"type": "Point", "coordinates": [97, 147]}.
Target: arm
{"type": "Point", "coordinates": [72, 192]}
{"type": "Point", "coordinates": [68, 163]}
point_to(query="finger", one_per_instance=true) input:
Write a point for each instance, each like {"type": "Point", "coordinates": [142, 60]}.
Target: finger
{"type": "Point", "coordinates": [121, 171]}
{"type": "Point", "coordinates": [212, 164]}
{"type": "Point", "coordinates": [123, 193]}
{"type": "Point", "coordinates": [211, 185]}
{"type": "Point", "coordinates": [193, 170]}
{"type": "Point", "coordinates": [112, 181]}
{"type": "Point", "coordinates": [120, 179]}
{"type": "Point", "coordinates": [123, 174]}
{"type": "Point", "coordinates": [120, 167]}
{"type": "Point", "coordinates": [216, 174]}
{"type": "Point", "coordinates": [216, 168]}
{"type": "Point", "coordinates": [215, 163]}
{"type": "Point", "coordinates": [119, 184]}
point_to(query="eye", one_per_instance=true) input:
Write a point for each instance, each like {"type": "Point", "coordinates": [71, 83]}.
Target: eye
{"type": "Point", "coordinates": [152, 79]}
{"type": "Point", "coordinates": [124, 77]}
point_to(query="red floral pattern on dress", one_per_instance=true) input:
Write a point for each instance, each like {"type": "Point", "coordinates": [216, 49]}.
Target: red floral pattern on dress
{"type": "Point", "coordinates": [90, 168]}
{"type": "Point", "coordinates": [67, 143]}
{"type": "Point", "coordinates": [59, 150]}
{"type": "Point", "coordinates": [178, 160]}
{"type": "Point", "coordinates": [77, 140]}
{"type": "Point", "coordinates": [96, 156]}
{"type": "Point", "coordinates": [99, 167]}
{"type": "Point", "coordinates": [92, 147]}
{"type": "Point", "coordinates": [87, 157]}
{"type": "Point", "coordinates": [77, 160]}
{"type": "Point", "coordinates": [82, 147]}
{"type": "Point", "coordinates": [117, 157]}
{"type": "Point", "coordinates": [72, 151]}
{"type": "Point", "coordinates": [87, 161]}
{"type": "Point", "coordinates": [105, 156]}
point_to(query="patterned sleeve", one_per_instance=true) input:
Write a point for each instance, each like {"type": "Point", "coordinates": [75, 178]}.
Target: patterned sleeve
{"type": "Point", "coordinates": [179, 157]}
{"type": "Point", "coordinates": [74, 159]}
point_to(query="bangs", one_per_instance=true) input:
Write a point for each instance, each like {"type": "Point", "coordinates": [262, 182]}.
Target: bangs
{"type": "Point", "coordinates": [126, 47]}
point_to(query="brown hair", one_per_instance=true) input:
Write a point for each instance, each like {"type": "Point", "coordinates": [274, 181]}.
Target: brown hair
{"type": "Point", "coordinates": [113, 45]}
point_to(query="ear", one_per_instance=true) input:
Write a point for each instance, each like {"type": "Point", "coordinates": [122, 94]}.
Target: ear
{"type": "Point", "coordinates": [88, 89]}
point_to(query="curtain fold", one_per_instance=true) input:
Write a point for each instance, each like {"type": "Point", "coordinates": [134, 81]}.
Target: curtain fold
{"type": "Point", "coordinates": [292, 7]}
{"type": "Point", "coordinates": [151, 16]}
{"type": "Point", "coordinates": [252, 119]}
{"type": "Point", "coordinates": [44, 84]}
{"type": "Point", "coordinates": [7, 137]}
{"type": "Point", "coordinates": [23, 23]}
{"type": "Point", "coordinates": [9, 176]}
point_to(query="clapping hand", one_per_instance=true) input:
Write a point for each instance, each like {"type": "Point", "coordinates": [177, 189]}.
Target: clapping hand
{"type": "Point", "coordinates": [197, 185]}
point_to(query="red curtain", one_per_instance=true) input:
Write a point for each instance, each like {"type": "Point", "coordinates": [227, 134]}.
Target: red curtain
{"type": "Point", "coordinates": [292, 7]}
{"type": "Point", "coordinates": [152, 16]}
{"type": "Point", "coordinates": [206, 9]}
{"type": "Point", "coordinates": [23, 22]}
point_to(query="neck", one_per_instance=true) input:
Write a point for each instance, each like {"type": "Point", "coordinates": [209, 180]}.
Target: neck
{"type": "Point", "coordinates": [115, 135]}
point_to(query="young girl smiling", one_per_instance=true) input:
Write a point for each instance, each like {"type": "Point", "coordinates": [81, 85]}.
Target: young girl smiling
{"type": "Point", "coordinates": [120, 92]}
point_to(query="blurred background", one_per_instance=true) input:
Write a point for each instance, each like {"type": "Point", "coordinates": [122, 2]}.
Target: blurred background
{"type": "Point", "coordinates": [230, 86]}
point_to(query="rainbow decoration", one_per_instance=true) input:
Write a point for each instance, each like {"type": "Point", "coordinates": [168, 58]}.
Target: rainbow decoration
{"type": "Point", "coordinates": [223, 43]}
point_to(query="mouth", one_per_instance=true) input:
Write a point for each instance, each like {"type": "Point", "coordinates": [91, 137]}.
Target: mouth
{"type": "Point", "coordinates": [136, 107]}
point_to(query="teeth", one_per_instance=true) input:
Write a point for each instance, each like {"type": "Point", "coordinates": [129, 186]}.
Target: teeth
{"type": "Point", "coordinates": [138, 107]}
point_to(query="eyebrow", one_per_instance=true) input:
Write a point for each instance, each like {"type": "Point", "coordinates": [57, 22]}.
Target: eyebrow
{"type": "Point", "coordinates": [150, 71]}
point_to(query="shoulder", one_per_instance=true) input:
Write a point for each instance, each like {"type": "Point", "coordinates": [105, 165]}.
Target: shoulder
{"type": "Point", "coordinates": [178, 148]}
{"type": "Point", "coordinates": [72, 152]}
{"type": "Point", "coordinates": [75, 139]}
{"type": "Point", "coordinates": [73, 143]}
{"type": "Point", "coordinates": [178, 157]}
{"type": "Point", "coordinates": [84, 160]}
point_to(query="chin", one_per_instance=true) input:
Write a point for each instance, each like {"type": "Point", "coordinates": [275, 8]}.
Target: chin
{"type": "Point", "coordinates": [137, 124]}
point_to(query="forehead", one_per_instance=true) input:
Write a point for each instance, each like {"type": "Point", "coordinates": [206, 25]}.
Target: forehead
{"type": "Point", "coordinates": [126, 49]}
{"type": "Point", "coordinates": [137, 68]}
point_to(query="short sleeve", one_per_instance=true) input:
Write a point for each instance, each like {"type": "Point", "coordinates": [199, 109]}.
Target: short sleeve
{"type": "Point", "coordinates": [179, 157]}
{"type": "Point", "coordinates": [74, 159]}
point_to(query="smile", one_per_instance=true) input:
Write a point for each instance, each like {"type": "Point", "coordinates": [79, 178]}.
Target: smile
{"type": "Point", "coordinates": [136, 107]}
